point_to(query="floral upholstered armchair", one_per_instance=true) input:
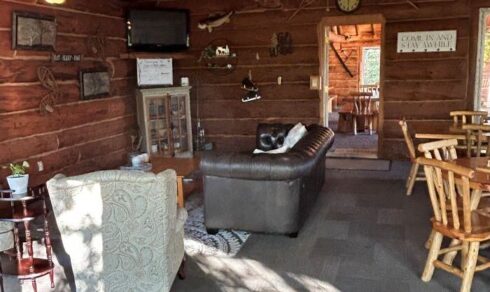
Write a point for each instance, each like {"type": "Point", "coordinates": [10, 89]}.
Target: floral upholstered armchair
{"type": "Point", "coordinates": [122, 230]}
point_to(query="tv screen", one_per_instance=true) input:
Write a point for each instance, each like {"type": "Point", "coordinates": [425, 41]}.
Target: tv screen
{"type": "Point", "coordinates": [158, 30]}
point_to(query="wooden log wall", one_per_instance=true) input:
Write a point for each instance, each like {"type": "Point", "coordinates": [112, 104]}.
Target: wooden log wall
{"type": "Point", "coordinates": [79, 136]}
{"type": "Point", "coordinates": [422, 87]}
{"type": "Point", "coordinates": [339, 81]}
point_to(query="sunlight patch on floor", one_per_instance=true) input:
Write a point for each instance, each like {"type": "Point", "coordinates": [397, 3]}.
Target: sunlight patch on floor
{"type": "Point", "coordinates": [253, 275]}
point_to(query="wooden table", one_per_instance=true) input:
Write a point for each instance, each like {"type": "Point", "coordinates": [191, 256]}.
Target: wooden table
{"type": "Point", "coordinates": [481, 178]}
{"type": "Point", "coordinates": [184, 167]}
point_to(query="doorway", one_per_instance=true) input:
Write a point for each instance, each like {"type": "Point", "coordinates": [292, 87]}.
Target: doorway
{"type": "Point", "coordinates": [352, 82]}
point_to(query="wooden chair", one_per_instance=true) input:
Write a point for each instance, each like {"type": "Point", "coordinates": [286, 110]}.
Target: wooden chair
{"type": "Point", "coordinates": [476, 136]}
{"type": "Point", "coordinates": [458, 221]}
{"type": "Point", "coordinates": [440, 150]}
{"type": "Point", "coordinates": [415, 174]}
{"type": "Point", "coordinates": [363, 108]}
{"type": "Point", "coordinates": [461, 118]}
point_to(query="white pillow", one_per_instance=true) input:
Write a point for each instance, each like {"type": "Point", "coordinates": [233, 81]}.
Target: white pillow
{"type": "Point", "coordinates": [295, 134]}
{"type": "Point", "coordinates": [279, 150]}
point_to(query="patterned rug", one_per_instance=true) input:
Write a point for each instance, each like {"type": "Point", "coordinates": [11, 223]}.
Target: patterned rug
{"type": "Point", "coordinates": [197, 241]}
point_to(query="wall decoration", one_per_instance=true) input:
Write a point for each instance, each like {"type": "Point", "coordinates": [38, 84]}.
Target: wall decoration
{"type": "Point", "coordinates": [47, 80]}
{"type": "Point", "coordinates": [218, 57]}
{"type": "Point", "coordinates": [215, 21]}
{"type": "Point", "coordinates": [66, 58]}
{"type": "Point", "coordinates": [154, 72]}
{"type": "Point", "coordinates": [94, 84]}
{"type": "Point", "coordinates": [251, 88]}
{"type": "Point", "coordinates": [427, 41]}
{"type": "Point", "coordinates": [32, 31]}
{"type": "Point", "coordinates": [342, 62]}
{"type": "Point", "coordinates": [281, 43]}
{"type": "Point", "coordinates": [96, 44]}
{"type": "Point", "coordinates": [348, 6]}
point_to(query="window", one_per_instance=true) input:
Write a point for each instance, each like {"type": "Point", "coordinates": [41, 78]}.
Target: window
{"type": "Point", "coordinates": [482, 92]}
{"type": "Point", "coordinates": [370, 65]}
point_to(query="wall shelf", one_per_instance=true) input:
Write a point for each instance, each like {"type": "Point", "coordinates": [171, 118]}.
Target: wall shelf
{"type": "Point", "coordinates": [149, 55]}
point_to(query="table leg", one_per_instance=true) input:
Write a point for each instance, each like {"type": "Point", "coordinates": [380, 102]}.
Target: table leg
{"type": "Point", "coordinates": [180, 191]}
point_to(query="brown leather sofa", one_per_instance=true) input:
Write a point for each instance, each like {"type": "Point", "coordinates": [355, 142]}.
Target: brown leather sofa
{"type": "Point", "coordinates": [270, 193]}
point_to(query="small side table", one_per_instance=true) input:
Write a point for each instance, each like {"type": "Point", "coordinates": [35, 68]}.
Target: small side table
{"type": "Point", "coordinates": [184, 167]}
{"type": "Point", "coordinates": [23, 210]}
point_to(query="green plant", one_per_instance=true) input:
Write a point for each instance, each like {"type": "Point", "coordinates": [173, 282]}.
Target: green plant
{"type": "Point", "coordinates": [19, 169]}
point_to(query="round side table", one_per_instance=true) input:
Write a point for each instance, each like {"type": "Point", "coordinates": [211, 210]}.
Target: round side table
{"type": "Point", "coordinates": [21, 211]}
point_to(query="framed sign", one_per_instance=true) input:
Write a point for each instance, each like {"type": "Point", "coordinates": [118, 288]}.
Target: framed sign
{"type": "Point", "coordinates": [427, 41]}
{"type": "Point", "coordinates": [32, 31]}
{"type": "Point", "coordinates": [94, 84]}
{"type": "Point", "coordinates": [66, 57]}
{"type": "Point", "coordinates": [154, 72]}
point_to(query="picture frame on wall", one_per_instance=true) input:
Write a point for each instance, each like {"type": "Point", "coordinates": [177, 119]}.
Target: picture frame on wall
{"type": "Point", "coordinates": [33, 31]}
{"type": "Point", "coordinates": [94, 83]}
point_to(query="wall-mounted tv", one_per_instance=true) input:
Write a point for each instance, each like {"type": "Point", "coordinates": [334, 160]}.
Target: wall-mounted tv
{"type": "Point", "coordinates": [158, 30]}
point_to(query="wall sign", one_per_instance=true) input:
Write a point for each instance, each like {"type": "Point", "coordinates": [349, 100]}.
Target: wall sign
{"type": "Point", "coordinates": [152, 72]}
{"type": "Point", "coordinates": [427, 41]}
{"type": "Point", "coordinates": [66, 58]}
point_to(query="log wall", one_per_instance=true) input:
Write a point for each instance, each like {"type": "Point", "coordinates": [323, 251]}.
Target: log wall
{"type": "Point", "coordinates": [79, 136]}
{"type": "Point", "coordinates": [422, 87]}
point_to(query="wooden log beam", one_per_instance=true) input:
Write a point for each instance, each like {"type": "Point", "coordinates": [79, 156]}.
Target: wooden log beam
{"type": "Point", "coordinates": [341, 61]}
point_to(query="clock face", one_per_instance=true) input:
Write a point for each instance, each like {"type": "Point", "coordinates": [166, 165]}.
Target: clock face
{"type": "Point", "coordinates": [348, 5]}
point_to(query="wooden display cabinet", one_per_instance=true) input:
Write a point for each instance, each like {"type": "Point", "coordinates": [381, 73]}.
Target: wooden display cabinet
{"type": "Point", "coordinates": [164, 119]}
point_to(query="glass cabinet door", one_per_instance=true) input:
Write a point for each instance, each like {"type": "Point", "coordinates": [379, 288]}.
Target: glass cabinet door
{"type": "Point", "coordinates": [179, 123]}
{"type": "Point", "coordinates": [158, 126]}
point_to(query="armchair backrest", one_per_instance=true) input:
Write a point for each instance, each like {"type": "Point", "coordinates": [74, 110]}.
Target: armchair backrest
{"type": "Point", "coordinates": [114, 226]}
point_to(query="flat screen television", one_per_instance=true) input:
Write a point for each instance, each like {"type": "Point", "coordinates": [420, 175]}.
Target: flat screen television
{"type": "Point", "coordinates": [158, 30]}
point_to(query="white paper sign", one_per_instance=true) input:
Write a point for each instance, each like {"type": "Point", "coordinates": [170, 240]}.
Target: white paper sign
{"type": "Point", "coordinates": [154, 72]}
{"type": "Point", "coordinates": [427, 41]}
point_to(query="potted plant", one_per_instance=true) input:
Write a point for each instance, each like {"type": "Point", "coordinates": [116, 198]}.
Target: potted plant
{"type": "Point", "coordinates": [19, 179]}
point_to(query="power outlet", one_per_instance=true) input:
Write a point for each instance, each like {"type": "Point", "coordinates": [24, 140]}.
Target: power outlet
{"type": "Point", "coordinates": [40, 166]}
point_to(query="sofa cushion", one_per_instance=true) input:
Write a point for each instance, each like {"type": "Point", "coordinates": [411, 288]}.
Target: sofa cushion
{"type": "Point", "coordinates": [271, 136]}
{"type": "Point", "coordinates": [295, 134]}
{"type": "Point", "coordinates": [282, 149]}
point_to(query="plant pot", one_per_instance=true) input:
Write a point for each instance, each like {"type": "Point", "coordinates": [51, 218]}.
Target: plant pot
{"type": "Point", "coordinates": [18, 184]}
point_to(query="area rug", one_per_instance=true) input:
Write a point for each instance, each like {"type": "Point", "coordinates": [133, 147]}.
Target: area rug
{"type": "Point", "coordinates": [197, 241]}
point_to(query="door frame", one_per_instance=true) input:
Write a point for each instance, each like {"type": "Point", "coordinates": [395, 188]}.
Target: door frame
{"type": "Point", "coordinates": [483, 14]}
{"type": "Point", "coordinates": [323, 53]}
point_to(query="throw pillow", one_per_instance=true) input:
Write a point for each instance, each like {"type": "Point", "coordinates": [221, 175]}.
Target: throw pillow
{"type": "Point", "coordinates": [279, 150]}
{"type": "Point", "coordinates": [295, 134]}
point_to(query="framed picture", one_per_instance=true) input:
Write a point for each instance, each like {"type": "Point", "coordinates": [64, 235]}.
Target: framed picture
{"type": "Point", "coordinates": [94, 84]}
{"type": "Point", "coordinates": [32, 31]}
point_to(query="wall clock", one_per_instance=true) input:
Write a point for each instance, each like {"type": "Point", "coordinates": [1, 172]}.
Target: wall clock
{"type": "Point", "coordinates": [348, 6]}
